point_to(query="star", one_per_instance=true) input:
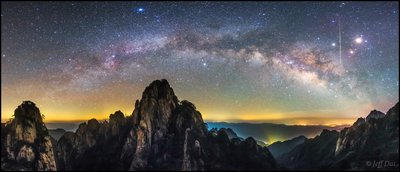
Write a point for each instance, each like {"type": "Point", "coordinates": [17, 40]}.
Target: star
{"type": "Point", "coordinates": [358, 40]}
{"type": "Point", "coordinates": [249, 48]}
{"type": "Point", "coordinates": [140, 10]}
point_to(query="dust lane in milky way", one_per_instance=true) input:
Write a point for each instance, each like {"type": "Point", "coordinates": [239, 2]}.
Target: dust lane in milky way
{"type": "Point", "coordinates": [236, 61]}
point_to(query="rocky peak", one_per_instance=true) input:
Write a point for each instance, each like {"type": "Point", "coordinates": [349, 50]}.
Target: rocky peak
{"type": "Point", "coordinates": [376, 138]}
{"type": "Point", "coordinates": [231, 134]}
{"type": "Point", "coordinates": [359, 122]}
{"type": "Point", "coordinates": [27, 144]}
{"type": "Point", "coordinates": [158, 90]}
{"type": "Point", "coordinates": [28, 124]}
{"type": "Point", "coordinates": [328, 133]}
{"type": "Point", "coordinates": [117, 116]}
{"type": "Point", "coordinates": [300, 138]}
{"type": "Point", "coordinates": [394, 111]}
{"type": "Point", "coordinates": [151, 117]}
{"type": "Point", "coordinates": [93, 124]}
{"type": "Point", "coordinates": [28, 112]}
{"type": "Point", "coordinates": [222, 136]}
{"type": "Point", "coordinates": [162, 133]}
{"type": "Point", "coordinates": [154, 110]}
{"type": "Point", "coordinates": [186, 116]}
{"type": "Point", "coordinates": [117, 121]}
{"type": "Point", "coordinates": [251, 144]}
{"type": "Point", "coordinates": [101, 141]}
{"type": "Point", "coordinates": [87, 133]}
{"type": "Point", "coordinates": [375, 115]}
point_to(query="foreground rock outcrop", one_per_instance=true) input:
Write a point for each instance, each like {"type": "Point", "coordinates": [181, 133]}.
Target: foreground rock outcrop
{"type": "Point", "coordinates": [94, 145]}
{"type": "Point", "coordinates": [313, 154]}
{"type": "Point", "coordinates": [369, 144]}
{"type": "Point", "coordinates": [370, 141]}
{"type": "Point", "coordinates": [25, 142]}
{"type": "Point", "coordinates": [162, 133]}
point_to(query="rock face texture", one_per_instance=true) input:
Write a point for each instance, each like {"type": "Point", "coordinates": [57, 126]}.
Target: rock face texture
{"type": "Point", "coordinates": [95, 145]}
{"type": "Point", "coordinates": [25, 142]}
{"type": "Point", "coordinates": [371, 143]}
{"type": "Point", "coordinates": [371, 140]}
{"type": "Point", "coordinates": [313, 154]}
{"type": "Point", "coordinates": [151, 119]}
{"type": "Point", "coordinates": [231, 134]}
{"type": "Point", "coordinates": [162, 133]}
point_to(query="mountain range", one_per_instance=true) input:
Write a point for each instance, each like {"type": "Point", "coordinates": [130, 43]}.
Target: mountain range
{"type": "Point", "coordinates": [165, 133]}
{"type": "Point", "coordinates": [370, 143]}
{"type": "Point", "coordinates": [162, 133]}
{"type": "Point", "coordinates": [270, 132]}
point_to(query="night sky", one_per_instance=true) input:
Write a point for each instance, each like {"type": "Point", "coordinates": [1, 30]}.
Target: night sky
{"type": "Point", "coordinates": [277, 62]}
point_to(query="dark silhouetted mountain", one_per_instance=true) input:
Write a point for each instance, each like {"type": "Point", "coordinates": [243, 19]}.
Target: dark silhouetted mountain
{"type": "Point", "coordinates": [67, 125]}
{"type": "Point", "coordinates": [373, 140]}
{"type": "Point", "coordinates": [375, 115]}
{"type": "Point", "coordinates": [312, 154]}
{"type": "Point", "coordinates": [261, 143]}
{"type": "Point", "coordinates": [25, 141]}
{"type": "Point", "coordinates": [369, 144]}
{"type": "Point", "coordinates": [278, 148]}
{"type": "Point", "coordinates": [95, 145]}
{"type": "Point", "coordinates": [162, 133]}
{"type": "Point", "coordinates": [270, 133]}
{"type": "Point", "coordinates": [232, 135]}
{"type": "Point", "coordinates": [56, 133]}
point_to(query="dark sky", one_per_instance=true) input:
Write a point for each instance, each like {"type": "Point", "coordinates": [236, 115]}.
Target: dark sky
{"type": "Point", "coordinates": [246, 61]}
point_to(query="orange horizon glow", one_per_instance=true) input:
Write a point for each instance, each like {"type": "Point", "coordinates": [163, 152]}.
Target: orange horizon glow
{"type": "Point", "coordinates": [64, 109]}
{"type": "Point", "coordinates": [235, 63]}
{"type": "Point", "coordinates": [303, 121]}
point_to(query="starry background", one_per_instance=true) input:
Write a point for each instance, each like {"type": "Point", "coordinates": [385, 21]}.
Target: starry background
{"type": "Point", "coordinates": [236, 61]}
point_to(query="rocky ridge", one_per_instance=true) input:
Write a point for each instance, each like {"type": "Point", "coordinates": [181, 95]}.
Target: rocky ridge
{"type": "Point", "coordinates": [162, 133]}
{"type": "Point", "coordinates": [25, 142]}
{"type": "Point", "coordinates": [367, 141]}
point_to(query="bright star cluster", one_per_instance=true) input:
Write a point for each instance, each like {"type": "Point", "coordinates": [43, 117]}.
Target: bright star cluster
{"type": "Point", "coordinates": [236, 61]}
